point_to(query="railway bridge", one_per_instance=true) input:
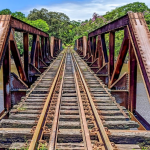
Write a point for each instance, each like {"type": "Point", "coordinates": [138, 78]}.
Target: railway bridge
{"type": "Point", "coordinates": [76, 98]}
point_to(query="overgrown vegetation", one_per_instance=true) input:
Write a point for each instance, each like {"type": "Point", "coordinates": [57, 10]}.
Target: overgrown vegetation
{"type": "Point", "coordinates": [59, 25]}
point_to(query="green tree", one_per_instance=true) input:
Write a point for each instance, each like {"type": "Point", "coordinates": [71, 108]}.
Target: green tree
{"type": "Point", "coordinates": [59, 24]}
{"type": "Point", "coordinates": [97, 21]}
{"type": "Point", "coordinates": [18, 15]}
{"type": "Point", "coordinates": [40, 24]}
{"type": "Point", "coordinates": [147, 18]}
{"type": "Point", "coordinates": [5, 12]}
{"type": "Point", "coordinates": [120, 11]}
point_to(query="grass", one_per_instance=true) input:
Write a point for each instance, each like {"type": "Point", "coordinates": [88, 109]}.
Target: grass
{"type": "Point", "coordinates": [60, 77]}
{"type": "Point", "coordinates": [85, 69]}
{"type": "Point", "coordinates": [63, 52]}
{"type": "Point", "coordinates": [42, 147]}
{"type": "Point", "coordinates": [21, 109]}
{"type": "Point", "coordinates": [143, 148]}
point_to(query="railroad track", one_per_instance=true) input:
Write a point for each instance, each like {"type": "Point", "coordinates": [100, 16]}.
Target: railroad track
{"type": "Point", "coordinates": [68, 107]}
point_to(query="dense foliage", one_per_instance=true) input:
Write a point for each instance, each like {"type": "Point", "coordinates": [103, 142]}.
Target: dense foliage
{"type": "Point", "coordinates": [39, 23]}
{"type": "Point", "coordinates": [97, 21]}
{"type": "Point", "coordinates": [59, 25]}
{"type": "Point", "coordinates": [120, 11]}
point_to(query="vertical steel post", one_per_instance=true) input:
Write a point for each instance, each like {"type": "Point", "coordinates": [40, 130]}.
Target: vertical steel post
{"type": "Point", "coordinates": [26, 54]}
{"type": "Point", "coordinates": [111, 53]}
{"type": "Point", "coordinates": [33, 49]}
{"type": "Point", "coordinates": [47, 47]}
{"type": "Point", "coordinates": [132, 79]}
{"type": "Point", "coordinates": [52, 45]}
{"type": "Point", "coordinates": [100, 52]}
{"type": "Point", "coordinates": [55, 47]}
{"type": "Point", "coordinates": [6, 79]}
{"type": "Point", "coordinates": [37, 55]}
{"type": "Point", "coordinates": [94, 47]}
{"type": "Point", "coordinates": [91, 45]}
{"type": "Point", "coordinates": [84, 46]}
{"type": "Point", "coordinates": [59, 43]}
{"type": "Point", "coordinates": [80, 45]}
{"type": "Point", "coordinates": [104, 47]}
{"type": "Point", "coordinates": [77, 44]}
{"type": "Point", "coordinates": [88, 48]}
{"type": "Point", "coordinates": [43, 47]}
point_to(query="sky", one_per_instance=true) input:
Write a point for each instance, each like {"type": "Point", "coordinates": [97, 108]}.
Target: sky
{"type": "Point", "coordinates": [75, 9]}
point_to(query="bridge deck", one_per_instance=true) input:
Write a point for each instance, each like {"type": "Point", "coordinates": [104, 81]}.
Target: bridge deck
{"type": "Point", "coordinates": [68, 107]}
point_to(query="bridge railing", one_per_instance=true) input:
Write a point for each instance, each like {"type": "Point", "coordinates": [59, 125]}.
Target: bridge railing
{"type": "Point", "coordinates": [34, 61]}
{"type": "Point", "coordinates": [136, 42]}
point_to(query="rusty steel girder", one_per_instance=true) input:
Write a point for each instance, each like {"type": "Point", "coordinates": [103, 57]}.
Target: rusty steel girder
{"type": "Point", "coordinates": [34, 63]}
{"type": "Point", "coordinates": [21, 26]}
{"type": "Point", "coordinates": [136, 43]}
{"type": "Point", "coordinates": [112, 26]}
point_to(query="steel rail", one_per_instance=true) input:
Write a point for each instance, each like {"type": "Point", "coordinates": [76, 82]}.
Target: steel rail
{"type": "Point", "coordinates": [41, 119]}
{"type": "Point", "coordinates": [112, 98]}
{"type": "Point", "coordinates": [83, 117]}
{"type": "Point", "coordinates": [53, 135]}
{"type": "Point", "coordinates": [98, 120]}
{"type": "Point", "coordinates": [49, 109]}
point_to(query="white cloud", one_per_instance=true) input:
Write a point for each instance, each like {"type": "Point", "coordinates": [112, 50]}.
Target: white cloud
{"type": "Point", "coordinates": [76, 11]}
